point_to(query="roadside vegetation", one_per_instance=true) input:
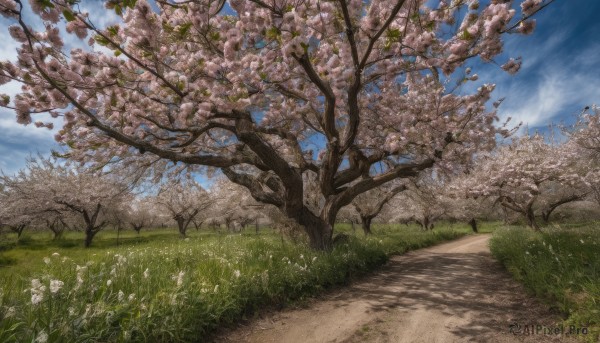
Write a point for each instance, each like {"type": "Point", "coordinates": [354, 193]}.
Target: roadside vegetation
{"type": "Point", "coordinates": [155, 287]}
{"type": "Point", "coordinates": [561, 265]}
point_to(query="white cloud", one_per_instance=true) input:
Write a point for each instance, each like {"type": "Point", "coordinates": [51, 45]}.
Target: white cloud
{"type": "Point", "coordinates": [559, 89]}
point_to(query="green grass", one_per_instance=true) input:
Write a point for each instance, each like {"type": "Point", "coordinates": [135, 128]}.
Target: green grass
{"type": "Point", "coordinates": [560, 265]}
{"type": "Point", "coordinates": [159, 288]}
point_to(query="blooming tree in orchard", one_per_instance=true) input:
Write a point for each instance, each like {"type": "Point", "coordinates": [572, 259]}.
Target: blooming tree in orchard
{"type": "Point", "coordinates": [14, 221]}
{"type": "Point", "coordinates": [233, 204]}
{"type": "Point", "coordinates": [141, 213]}
{"type": "Point", "coordinates": [585, 134]}
{"type": "Point", "coordinates": [184, 200]}
{"type": "Point", "coordinates": [368, 205]}
{"type": "Point", "coordinates": [526, 173]}
{"type": "Point", "coordinates": [461, 206]}
{"type": "Point", "coordinates": [280, 89]}
{"type": "Point", "coordinates": [46, 187]}
{"type": "Point", "coordinates": [423, 201]}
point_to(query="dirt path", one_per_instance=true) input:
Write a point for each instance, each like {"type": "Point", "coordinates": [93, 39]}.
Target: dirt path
{"type": "Point", "coordinates": [453, 292]}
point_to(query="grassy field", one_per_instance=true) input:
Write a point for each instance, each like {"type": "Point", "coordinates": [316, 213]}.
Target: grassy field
{"type": "Point", "coordinates": [156, 287]}
{"type": "Point", "coordinates": [560, 265]}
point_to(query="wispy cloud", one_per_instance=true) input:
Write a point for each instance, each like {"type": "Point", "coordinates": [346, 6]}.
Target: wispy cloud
{"type": "Point", "coordinates": [557, 84]}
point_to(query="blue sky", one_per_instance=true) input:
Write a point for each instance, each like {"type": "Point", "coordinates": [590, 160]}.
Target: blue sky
{"type": "Point", "coordinates": [559, 77]}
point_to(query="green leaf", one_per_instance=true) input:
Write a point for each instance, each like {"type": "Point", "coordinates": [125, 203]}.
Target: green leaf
{"type": "Point", "coordinates": [101, 40]}
{"type": "Point", "coordinates": [215, 35]}
{"type": "Point", "coordinates": [117, 53]}
{"type": "Point", "coordinates": [465, 35]}
{"type": "Point", "coordinates": [273, 33]}
{"type": "Point", "coordinates": [304, 46]}
{"type": "Point", "coordinates": [393, 34]}
{"type": "Point", "coordinates": [182, 30]}
{"type": "Point", "coordinates": [69, 16]}
{"type": "Point", "coordinates": [113, 30]}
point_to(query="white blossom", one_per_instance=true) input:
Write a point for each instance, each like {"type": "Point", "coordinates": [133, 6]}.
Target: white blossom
{"type": "Point", "coordinates": [55, 286]}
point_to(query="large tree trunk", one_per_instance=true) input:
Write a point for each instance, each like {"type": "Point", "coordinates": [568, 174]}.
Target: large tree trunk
{"type": "Point", "coordinates": [546, 215]}
{"type": "Point", "coordinates": [425, 224]}
{"type": "Point", "coordinates": [473, 224]}
{"type": "Point", "coordinates": [137, 228]}
{"type": "Point", "coordinates": [530, 217]}
{"type": "Point", "coordinates": [57, 233]}
{"type": "Point", "coordinates": [319, 231]}
{"type": "Point", "coordinates": [181, 226]}
{"type": "Point", "coordinates": [89, 236]}
{"type": "Point", "coordinates": [366, 224]}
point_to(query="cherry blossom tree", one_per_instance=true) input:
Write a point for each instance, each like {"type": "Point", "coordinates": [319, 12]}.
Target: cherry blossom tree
{"type": "Point", "coordinates": [585, 135]}
{"type": "Point", "coordinates": [11, 220]}
{"type": "Point", "coordinates": [234, 205]}
{"type": "Point", "coordinates": [46, 187]}
{"type": "Point", "coordinates": [528, 173]}
{"type": "Point", "coordinates": [275, 91]}
{"type": "Point", "coordinates": [142, 213]}
{"type": "Point", "coordinates": [461, 206]}
{"type": "Point", "coordinates": [369, 204]}
{"type": "Point", "coordinates": [184, 200]}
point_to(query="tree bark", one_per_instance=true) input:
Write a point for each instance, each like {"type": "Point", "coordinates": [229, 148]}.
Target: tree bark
{"type": "Point", "coordinates": [319, 231]}
{"type": "Point", "coordinates": [18, 230]}
{"type": "Point", "coordinates": [137, 228]}
{"type": "Point", "coordinates": [425, 224]}
{"type": "Point", "coordinates": [473, 224]}
{"type": "Point", "coordinates": [553, 206]}
{"type": "Point", "coordinates": [89, 236]}
{"type": "Point", "coordinates": [181, 226]}
{"type": "Point", "coordinates": [530, 217]}
{"type": "Point", "coordinates": [366, 224]}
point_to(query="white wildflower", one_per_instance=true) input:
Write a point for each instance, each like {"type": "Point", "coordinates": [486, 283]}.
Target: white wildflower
{"type": "Point", "coordinates": [216, 289]}
{"type": "Point", "coordinates": [37, 291]}
{"type": "Point", "coordinates": [108, 282]}
{"type": "Point", "coordinates": [120, 295]}
{"type": "Point", "coordinates": [36, 298]}
{"type": "Point", "coordinates": [42, 337]}
{"type": "Point", "coordinates": [581, 240]}
{"type": "Point", "coordinates": [55, 286]}
{"type": "Point", "coordinates": [178, 278]}
{"type": "Point", "coordinates": [146, 273]}
{"type": "Point", "coordinates": [55, 254]}
{"type": "Point", "coordinates": [131, 297]}
{"type": "Point", "coordinates": [314, 258]}
{"type": "Point", "coordinates": [47, 260]}
{"type": "Point", "coordinates": [237, 273]}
